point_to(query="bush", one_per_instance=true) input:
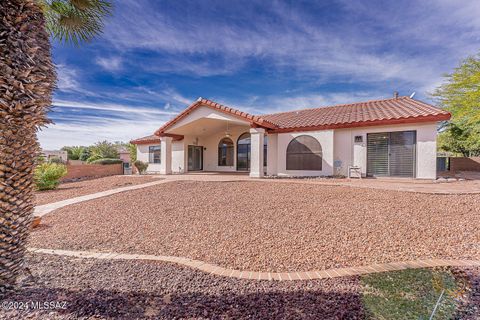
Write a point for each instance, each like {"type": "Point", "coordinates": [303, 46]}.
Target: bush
{"type": "Point", "coordinates": [141, 166]}
{"type": "Point", "coordinates": [85, 154]}
{"type": "Point", "coordinates": [102, 150]}
{"type": "Point", "coordinates": [132, 149]}
{"type": "Point", "coordinates": [106, 161]}
{"type": "Point", "coordinates": [74, 152]}
{"type": "Point", "coordinates": [56, 160]}
{"type": "Point", "coordinates": [47, 175]}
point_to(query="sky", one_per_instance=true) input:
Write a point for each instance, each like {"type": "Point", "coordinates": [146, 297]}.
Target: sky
{"type": "Point", "coordinates": [156, 57]}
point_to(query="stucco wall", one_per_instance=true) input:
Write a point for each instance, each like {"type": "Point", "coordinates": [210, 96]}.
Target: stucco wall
{"type": "Point", "coordinates": [210, 144]}
{"type": "Point", "coordinates": [347, 152]}
{"type": "Point", "coordinates": [142, 155]}
{"type": "Point", "coordinates": [338, 148]}
{"type": "Point", "coordinates": [325, 137]}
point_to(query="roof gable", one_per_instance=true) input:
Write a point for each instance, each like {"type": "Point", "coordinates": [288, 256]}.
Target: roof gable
{"type": "Point", "coordinates": [252, 119]}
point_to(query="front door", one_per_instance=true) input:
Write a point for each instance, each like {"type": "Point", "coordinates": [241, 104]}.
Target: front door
{"type": "Point", "coordinates": [195, 158]}
{"type": "Point", "coordinates": [391, 154]}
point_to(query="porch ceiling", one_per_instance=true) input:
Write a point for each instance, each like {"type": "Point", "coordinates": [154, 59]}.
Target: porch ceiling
{"type": "Point", "coordinates": [206, 127]}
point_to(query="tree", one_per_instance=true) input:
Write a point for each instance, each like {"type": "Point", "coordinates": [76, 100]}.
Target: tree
{"type": "Point", "coordinates": [27, 80]}
{"type": "Point", "coordinates": [75, 152]}
{"type": "Point", "coordinates": [460, 95]}
{"type": "Point", "coordinates": [102, 150]}
{"type": "Point", "coordinates": [86, 153]}
{"type": "Point", "coordinates": [132, 149]}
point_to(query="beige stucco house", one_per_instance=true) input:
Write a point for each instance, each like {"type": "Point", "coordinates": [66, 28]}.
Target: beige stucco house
{"type": "Point", "coordinates": [391, 137]}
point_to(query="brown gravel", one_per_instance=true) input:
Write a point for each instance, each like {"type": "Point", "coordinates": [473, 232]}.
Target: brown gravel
{"type": "Point", "coordinates": [266, 226]}
{"type": "Point", "coordinates": [133, 289]}
{"type": "Point", "coordinates": [75, 189]}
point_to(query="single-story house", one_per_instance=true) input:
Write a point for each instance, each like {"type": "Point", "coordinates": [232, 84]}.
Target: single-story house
{"type": "Point", "coordinates": [393, 137]}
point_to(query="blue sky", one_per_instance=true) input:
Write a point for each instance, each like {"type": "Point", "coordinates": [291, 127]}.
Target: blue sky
{"type": "Point", "coordinates": [156, 57]}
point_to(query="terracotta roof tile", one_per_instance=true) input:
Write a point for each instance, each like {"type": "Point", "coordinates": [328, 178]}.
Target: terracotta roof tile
{"type": "Point", "coordinates": [145, 140]}
{"type": "Point", "coordinates": [402, 108]}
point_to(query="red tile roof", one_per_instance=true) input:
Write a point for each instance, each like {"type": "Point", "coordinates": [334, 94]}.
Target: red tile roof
{"type": "Point", "coordinates": [375, 112]}
{"type": "Point", "coordinates": [146, 140]}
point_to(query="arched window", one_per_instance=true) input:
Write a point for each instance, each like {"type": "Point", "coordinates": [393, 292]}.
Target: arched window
{"type": "Point", "coordinates": [304, 153]}
{"type": "Point", "coordinates": [243, 152]}
{"type": "Point", "coordinates": [225, 152]}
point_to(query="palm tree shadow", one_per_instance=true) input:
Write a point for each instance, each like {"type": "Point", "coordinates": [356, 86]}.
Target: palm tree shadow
{"type": "Point", "coordinates": [304, 304]}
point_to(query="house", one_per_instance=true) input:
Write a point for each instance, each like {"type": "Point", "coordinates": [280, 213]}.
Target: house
{"type": "Point", "coordinates": [393, 137]}
{"type": "Point", "coordinates": [55, 154]}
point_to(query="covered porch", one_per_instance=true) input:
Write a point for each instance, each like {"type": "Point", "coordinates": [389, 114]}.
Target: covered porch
{"type": "Point", "coordinates": [209, 140]}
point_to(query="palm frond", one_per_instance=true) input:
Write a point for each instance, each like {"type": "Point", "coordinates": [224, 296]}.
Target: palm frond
{"type": "Point", "coordinates": [75, 21]}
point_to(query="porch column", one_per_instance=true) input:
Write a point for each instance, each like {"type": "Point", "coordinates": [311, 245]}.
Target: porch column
{"type": "Point", "coordinates": [272, 154]}
{"type": "Point", "coordinates": [165, 155]}
{"type": "Point", "coordinates": [256, 157]}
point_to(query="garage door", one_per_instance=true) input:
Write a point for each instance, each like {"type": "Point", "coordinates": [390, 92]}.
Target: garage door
{"type": "Point", "coordinates": [391, 154]}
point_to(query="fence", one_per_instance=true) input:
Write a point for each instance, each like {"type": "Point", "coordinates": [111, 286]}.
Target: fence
{"type": "Point", "coordinates": [465, 164]}
{"type": "Point", "coordinates": [92, 170]}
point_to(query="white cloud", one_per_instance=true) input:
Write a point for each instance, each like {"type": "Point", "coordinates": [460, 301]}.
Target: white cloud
{"type": "Point", "coordinates": [110, 107]}
{"type": "Point", "coordinates": [115, 123]}
{"type": "Point", "coordinates": [111, 64]}
{"type": "Point", "coordinates": [67, 78]}
{"type": "Point", "coordinates": [412, 42]}
{"type": "Point", "coordinates": [86, 122]}
{"type": "Point", "coordinates": [67, 134]}
{"type": "Point", "coordinates": [289, 102]}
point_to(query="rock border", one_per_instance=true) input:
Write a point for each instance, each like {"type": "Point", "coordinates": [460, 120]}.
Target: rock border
{"type": "Point", "coordinates": [258, 275]}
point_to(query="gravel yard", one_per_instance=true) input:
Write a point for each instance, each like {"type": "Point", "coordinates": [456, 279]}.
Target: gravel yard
{"type": "Point", "coordinates": [133, 290]}
{"type": "Point", "coordinates": [266, 226]}
{"type": "Point", "coordinates": [75, 189]}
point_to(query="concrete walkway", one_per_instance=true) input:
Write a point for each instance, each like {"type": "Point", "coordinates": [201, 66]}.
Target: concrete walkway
{"type": "Point", "coordinates": [47, 208]}
{"type": "Point", "coordinates": [255, 275]}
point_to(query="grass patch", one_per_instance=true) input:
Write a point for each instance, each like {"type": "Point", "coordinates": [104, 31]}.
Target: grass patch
{"type": "Point", "coordinates": [410, 294]}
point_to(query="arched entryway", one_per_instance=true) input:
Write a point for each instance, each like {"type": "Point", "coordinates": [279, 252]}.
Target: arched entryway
{"type": "Point", "coordinates": [243, 152]}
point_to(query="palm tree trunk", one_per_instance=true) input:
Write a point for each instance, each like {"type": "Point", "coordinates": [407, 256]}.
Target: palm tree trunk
{"type": "Point", "coordinates": [27, 79]}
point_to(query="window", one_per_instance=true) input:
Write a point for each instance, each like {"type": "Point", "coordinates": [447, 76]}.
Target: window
{"type": "Point", "coordinates": [154, 154]}
{"type": "Point", "coordinates": [265, 145]}
{"type": "Point", "coordinates": [304, 153]}
{"type": "Point", "coordinates": [225, 152]}
{"type": "Point", "coordinates": [243, 152]}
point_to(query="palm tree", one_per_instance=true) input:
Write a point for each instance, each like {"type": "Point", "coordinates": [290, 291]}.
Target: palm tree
{"type": "Point", "coordinates": [27, 80]}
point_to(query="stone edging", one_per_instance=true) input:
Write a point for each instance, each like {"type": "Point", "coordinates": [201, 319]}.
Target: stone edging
{"type": "Point", "coordinates": [254, 275]}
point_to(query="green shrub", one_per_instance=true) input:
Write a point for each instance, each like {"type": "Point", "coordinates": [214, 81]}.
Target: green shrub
{"type": "Point", "coordinates": [102, 150]}
{"type": "Point", "coordinates": [141, 166]}
{"type": "Point", "coordinates": [85, 154]}
{"type": "Point", "coordinates": [47, 175]}
{"type": "Point", "coordinates": [56, 160]}
{"type": "Point", "coordinates": [106, 161]}
{"type": "Point", "coordinates": [94, 157]}
{"type": "Point", "coordinates": [132, 149]}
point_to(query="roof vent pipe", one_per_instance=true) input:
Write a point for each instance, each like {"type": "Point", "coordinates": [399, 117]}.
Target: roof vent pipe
{"type": "Point", "coordinates": [395, 94]}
